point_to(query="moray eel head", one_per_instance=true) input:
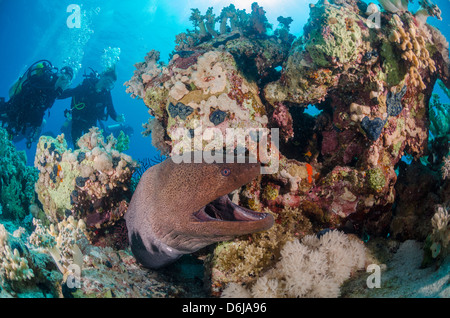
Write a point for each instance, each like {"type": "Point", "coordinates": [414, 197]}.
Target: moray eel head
{"type": "Point", "coordinates": [179, 208]}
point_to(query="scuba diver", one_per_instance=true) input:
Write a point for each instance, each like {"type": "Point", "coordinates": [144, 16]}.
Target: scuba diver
{"type": "Point", "coordinates": [91, 103]}
{"type": "Point", "coordinates": [32, 94]}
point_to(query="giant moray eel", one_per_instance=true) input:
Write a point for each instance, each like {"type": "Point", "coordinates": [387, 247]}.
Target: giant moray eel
{"type": "Point", "coordinates": [179, 208]}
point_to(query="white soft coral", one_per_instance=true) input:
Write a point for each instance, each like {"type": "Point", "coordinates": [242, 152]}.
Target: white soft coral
{"type": "Point", "coordinates": [313, 267]}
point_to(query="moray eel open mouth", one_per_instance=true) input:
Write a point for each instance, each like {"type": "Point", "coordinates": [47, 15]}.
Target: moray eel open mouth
{"type": "Point", "coordinates": [179, 208]}
{"type": "Point", "coordinates": [222, 209]}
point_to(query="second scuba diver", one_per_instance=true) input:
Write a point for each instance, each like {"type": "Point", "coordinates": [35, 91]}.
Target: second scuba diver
{"type": "Point", "coordinates": [91, 102]}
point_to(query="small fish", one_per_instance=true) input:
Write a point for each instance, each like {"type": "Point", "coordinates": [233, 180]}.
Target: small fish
{"type": "Point", "coordinates": [308, 154]}
{"type": "Point", "coordinates": [309, 169]}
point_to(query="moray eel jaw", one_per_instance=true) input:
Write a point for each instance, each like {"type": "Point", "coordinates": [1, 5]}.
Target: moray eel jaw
{"type": "Point", "coordinates": [234, 219]}
{"type": "Point", "coordinates": [223, 209]}
{"type": "Point", "coordinates": [219, 220]}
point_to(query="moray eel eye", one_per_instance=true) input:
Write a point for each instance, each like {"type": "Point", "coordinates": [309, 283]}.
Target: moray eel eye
{"type": "Point", "coordinates": [225, 172]}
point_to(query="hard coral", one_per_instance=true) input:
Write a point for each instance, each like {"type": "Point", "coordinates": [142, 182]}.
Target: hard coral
{"type": "Point", "coordinates": [13, 265]}
{"type": "Point", "coordinates": [413, 44]}
{"type": "Point", "coordinates": [24, 271]}
{"type": "Point", "coordinates": [145, 72]}
{"type": "Point", "coordinates": [440, 235]}
{"type": "Point", "coordinates": [214, 94]}
{"type": "Point", "coordinates": [337, 38]}
{"type": "Point", "coordinates": [389, 111]}
{"type": "Point", "coordinates": [91, 183]}
{"type": "Point", "coordinates": [261, 56]}
{"type": "Point", "coordinates": [62, 241]}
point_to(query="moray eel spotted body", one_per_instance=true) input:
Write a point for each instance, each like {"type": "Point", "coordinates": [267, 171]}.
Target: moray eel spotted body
{"type": "Point", "coordinates": [180, 208]}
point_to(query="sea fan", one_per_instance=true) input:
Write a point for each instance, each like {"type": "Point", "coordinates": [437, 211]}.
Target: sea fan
{"type": "Point", "coordinates": [147, 163]}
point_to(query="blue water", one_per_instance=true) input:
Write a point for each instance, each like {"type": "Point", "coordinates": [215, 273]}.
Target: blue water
{"type": "Point", "coordinates": [33, 30]}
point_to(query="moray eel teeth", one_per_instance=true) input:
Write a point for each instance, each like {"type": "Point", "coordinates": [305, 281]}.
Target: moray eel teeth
{"type": "Point", "coordinates": [222, 209]}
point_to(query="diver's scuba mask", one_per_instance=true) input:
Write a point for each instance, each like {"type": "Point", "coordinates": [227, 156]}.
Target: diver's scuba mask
{"type": "Point", "coordinates": [68, 71]}
{"type": "Point", "coordinates": [105, 84]}
{"type": "Point", "coordinates": [65, 78]}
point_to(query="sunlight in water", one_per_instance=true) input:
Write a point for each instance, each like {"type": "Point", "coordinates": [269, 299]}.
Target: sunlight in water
{"type": "Point", "coordinates": [245, 4]}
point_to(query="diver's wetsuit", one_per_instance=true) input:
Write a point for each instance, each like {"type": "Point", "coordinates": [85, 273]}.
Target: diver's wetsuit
{"type": "Point", "coordinates": [24, 112]}
{"type": "Point", "coordinates": [88, 106]}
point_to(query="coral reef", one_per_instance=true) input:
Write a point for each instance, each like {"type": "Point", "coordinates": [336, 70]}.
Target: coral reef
{"type": "Point", "coordinates": [440, 235]}
{"type": "Point", "coordinates": [91, 183]}
{"type": "Point", "coordinates": [111, 273]}
{"type": "Point", "coordinates": [208, 92]}
{"type": "Point", "coordinates": [213, 77]}
{"type": "Point", "coordinates": [244, 259]}
{"type": "Point", "coordinates": [366, 181]}
{"type": "Point", "coordinates": [17, 180]}
{"type": "Point", "coordinates": [61, 241]}
{"type": "Point", "coordinates": [23, 272]}
{"type": "Point", "coordinates": [13, 266]}
{"type": "Point", "coordinates": [362, 128]}
{"type": "Point", "coordinates": [314, 267]}
{"type": "Point", "coordinates": [340, 169]}
{"type": "Point", "coordinates": [39, 265]}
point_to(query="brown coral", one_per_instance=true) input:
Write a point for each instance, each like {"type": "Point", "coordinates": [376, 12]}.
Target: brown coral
{"type": "Point", "coordinates": [412, 42]}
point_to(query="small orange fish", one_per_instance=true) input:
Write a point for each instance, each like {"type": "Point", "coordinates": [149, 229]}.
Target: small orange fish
{"type": "Point", "coordinates": [309, 169]}
{"type": "Point", "coordinates": [308, 154]}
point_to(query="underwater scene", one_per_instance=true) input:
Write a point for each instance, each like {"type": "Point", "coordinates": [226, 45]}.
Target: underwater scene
{"type": "Point", "coordinates": [225, 149]}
